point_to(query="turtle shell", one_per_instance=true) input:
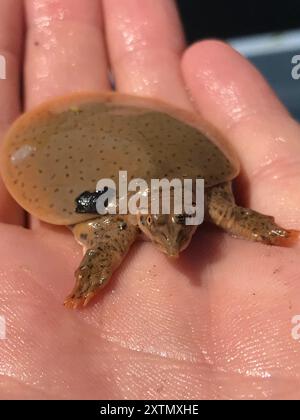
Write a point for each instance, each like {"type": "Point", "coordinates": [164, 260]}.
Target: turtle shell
{"type": "Point", "coordinates": [54, 153]}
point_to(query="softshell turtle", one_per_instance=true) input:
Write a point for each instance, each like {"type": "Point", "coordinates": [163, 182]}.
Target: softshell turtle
{"type": "Point", "coordinates": [57, 152]}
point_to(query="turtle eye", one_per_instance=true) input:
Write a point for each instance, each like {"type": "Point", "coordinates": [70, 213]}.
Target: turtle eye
{"type": "Point", "coordinates": [180, 219]}
{"type": "Point", "coordinates": [146, 220]}
{"type": "Point", "coordinates": [149, 220]}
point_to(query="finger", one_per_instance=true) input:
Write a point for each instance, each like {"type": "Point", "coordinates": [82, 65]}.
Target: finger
{"type": "Point", "coordinates": [145, 42]}
{"type": "Point", "coordinates": [65, 49]}
{"type": "Point", "coordinates": [229, 92]}
{"type": "Point", "coordinates": [11, 31]}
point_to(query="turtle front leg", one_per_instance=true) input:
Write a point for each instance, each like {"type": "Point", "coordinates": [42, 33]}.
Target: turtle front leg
{"type": "Point", "coordinates": [106, 241]}
{"type": "Point", "coordinates": [244, 223]}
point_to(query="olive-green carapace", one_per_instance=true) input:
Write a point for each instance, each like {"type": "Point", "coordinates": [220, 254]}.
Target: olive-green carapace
{"type": "Point", "coordinates": [56, 152]}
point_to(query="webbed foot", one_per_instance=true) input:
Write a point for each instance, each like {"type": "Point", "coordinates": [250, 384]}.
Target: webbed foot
{"type": "Point", "coordinates": [107, 240]}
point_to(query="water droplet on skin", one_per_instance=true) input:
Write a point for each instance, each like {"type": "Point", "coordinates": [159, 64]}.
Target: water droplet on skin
{"type": "Point", "coordinates": [280, 140]}
{"type": "Point", "coordinates": [22, 153]}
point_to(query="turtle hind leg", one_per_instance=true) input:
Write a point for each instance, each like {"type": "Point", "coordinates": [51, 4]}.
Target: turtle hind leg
{"type": "Point", "coordinates": [245, 223]}
{"type": "Point", "coordinates": [106, 241]}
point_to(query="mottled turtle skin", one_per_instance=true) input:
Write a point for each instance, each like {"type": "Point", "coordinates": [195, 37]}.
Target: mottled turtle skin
{"type": "Point", "coordinates": [53, 154]}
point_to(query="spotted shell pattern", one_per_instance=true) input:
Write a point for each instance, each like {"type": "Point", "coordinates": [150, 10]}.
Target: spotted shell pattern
{"type": "Point", "coordinates": [64, 147]}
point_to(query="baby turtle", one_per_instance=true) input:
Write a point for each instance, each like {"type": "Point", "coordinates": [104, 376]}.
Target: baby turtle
{"type": "Point", "coordinates": [54, 155]}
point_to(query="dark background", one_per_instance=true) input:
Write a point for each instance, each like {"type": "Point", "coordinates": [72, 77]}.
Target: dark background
{"type": "Point", "coordinates": [231, 19]}
{"type": "Point", "coordinates": [227, 19]}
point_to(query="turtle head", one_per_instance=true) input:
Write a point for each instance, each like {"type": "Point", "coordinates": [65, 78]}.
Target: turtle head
{"type": "Point", "coordinates": [168, 232]}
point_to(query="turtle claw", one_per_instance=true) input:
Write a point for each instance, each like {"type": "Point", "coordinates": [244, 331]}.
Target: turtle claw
{"type": "Point", "coordinates": [73, 302]}
{"type": "Point", "coordinates": [289, 240]}
{"type": "Point", "coordinates": [88, 298]}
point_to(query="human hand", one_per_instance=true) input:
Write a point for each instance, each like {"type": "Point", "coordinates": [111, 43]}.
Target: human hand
{"type": "Point", "coordinates": [216, 324]}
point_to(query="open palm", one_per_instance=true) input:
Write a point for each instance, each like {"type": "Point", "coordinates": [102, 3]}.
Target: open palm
{"type": "Point", "coordinates": [215, 324]}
